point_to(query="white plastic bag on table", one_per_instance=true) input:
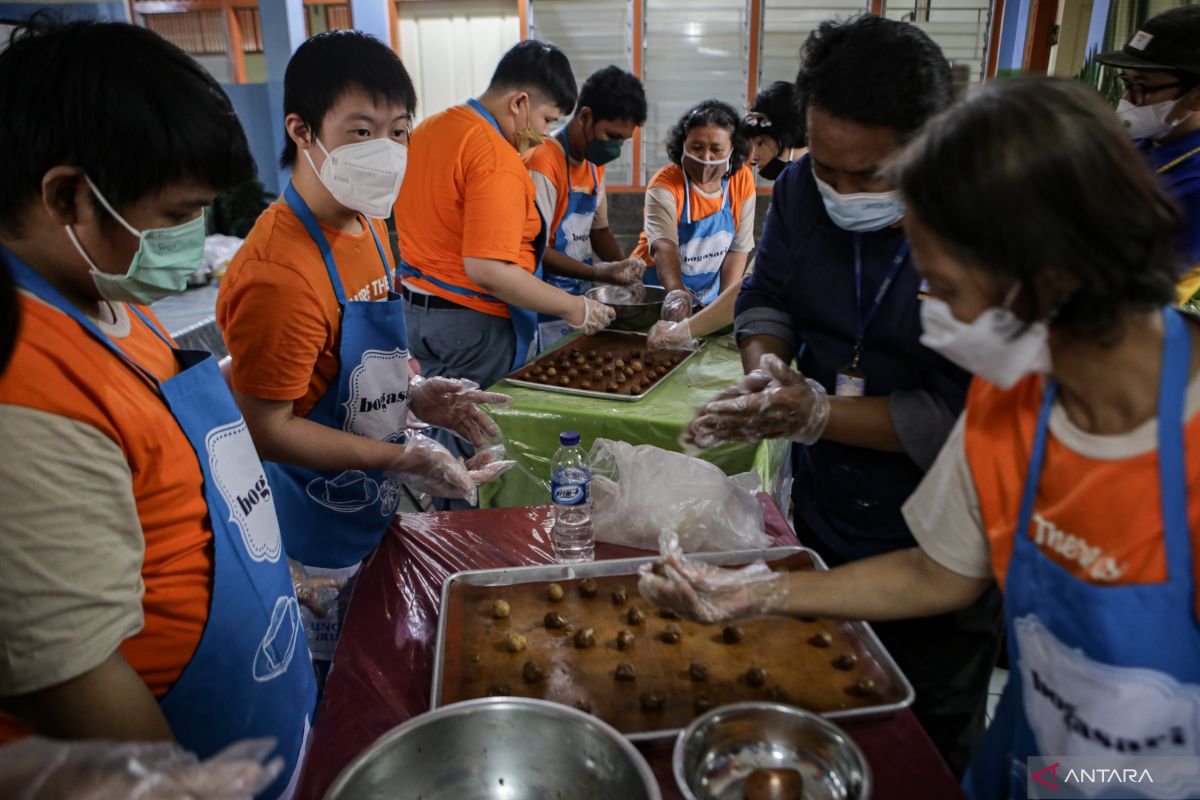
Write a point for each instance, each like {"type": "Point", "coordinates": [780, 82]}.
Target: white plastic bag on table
{"type": "Point", "coordinates": [640, 491]}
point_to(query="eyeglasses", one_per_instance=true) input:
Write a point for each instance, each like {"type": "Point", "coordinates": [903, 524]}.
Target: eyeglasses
{"type": "Point", "coordinates": [1138, 91]}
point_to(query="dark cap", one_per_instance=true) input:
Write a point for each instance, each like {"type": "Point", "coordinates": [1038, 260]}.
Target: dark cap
{"type": "Point", "coordinates": [1169, 41]}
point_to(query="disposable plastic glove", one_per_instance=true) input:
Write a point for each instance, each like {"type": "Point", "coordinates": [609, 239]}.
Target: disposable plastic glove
{"type": "Point", "coordinates": [596, 316]}
{"type": "Point", "coordinates": [677, 305]}
{"type": "Point", "coordinates": [622, 273]}
{"type": "Point", "coordinates": [672, 336]}
{"type": "Point", "coordinates": [710, 594]}
{"type": "Point", "coordinates": [772, 402]}
{"type": "Point", "coordinates": [44, 769]}
{"type": "Point", "coordinates": [453, 404]}
{"type": "Point", "coordinates": [428, 467]}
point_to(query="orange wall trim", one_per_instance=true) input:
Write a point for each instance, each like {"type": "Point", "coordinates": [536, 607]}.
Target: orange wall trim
{"type": "Point", "coordinates": [639, 11]}
{"type": "Point", "coordinates": [993, 52]}
{"type": "Point", "coordinates": [523, 15]}
{"type": "Point", "coordinates": [756, 9]}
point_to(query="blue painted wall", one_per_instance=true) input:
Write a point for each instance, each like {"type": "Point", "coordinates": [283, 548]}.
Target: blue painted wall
{"type": "Point", "coordinates": [117, 12]}
{"type": "Point", "coordinates": [252, 103]}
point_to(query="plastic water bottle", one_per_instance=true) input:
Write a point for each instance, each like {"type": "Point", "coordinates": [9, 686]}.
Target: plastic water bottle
{"type": "Point", "coordinates": [570, 490]}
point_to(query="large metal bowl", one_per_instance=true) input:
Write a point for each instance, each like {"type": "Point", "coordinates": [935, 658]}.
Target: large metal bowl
{"type": "Point", "coordinates": [635, 311]}
{"type": "Point", "coordinates": [719, 751]}
{"type": "Point", "coordinates": [497, 748]}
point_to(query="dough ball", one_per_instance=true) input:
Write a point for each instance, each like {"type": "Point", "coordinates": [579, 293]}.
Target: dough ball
{"type": "Point", "coordinates": [635, 616]}
{"type": "Point", "coordinates": [499, 690]}
{"type": "Point", "coordinates": [821, 639]}
{"type": "Point", "coordinates": [733, 634]}
{"type": "Point", "coordinates": [845, 661]}
{"type": "Point", "coordinates": [620, 596]}
{"type": "Point", "coordinates": [532, 672]}
{"type": "Point", "coordinates": [863, 687]}
{"type": "Point", "coordinates": [554, 620]}
{"type": "Point", "coordinates": [515, 642]}
{"type": "Point", "coordinates": [588, 587]}
{"type": "Point", "coordinates": [500, 609]}
{"type": "Point", "coordinates": [585, 638]}
{"type": "Point", "coordinates": [624, 640]}
{"type": "Point", "coordinates": [551, 371]}
{"type": "Point", "coordinates": [625, 672]}
{"type": "Point", "coordinates": [672, 634]}
{"type": "Point", "coordinates": [554, 592]}
{"type": "Point", "coordinates": [756, 676]}
{"type": "Point", "coordinates": [653, 701]}
{"type": "Point", "coordinates": [698, 671]}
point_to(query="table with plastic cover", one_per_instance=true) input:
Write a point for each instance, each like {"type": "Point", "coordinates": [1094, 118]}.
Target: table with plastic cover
{"type": "Point", "coordinates": [384, 664]}
{"type": "Point", "coordinates": [532, 423]}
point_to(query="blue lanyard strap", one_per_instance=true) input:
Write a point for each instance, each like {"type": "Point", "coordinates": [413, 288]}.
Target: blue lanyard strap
{"type": "Point", "coordinates": [30, 280]}
{"type": "Point", "coordinates": [562, 139]}
{"type": "Point", "coordinates": [865, 319]}
{"type": "Point", "coordinates": [309, 220]}
{"type": "Point", "coordinates": [483, 112]}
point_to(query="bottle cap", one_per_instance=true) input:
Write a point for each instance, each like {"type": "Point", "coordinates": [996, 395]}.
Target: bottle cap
{"type": "Point", "coordinates": [568, 438]}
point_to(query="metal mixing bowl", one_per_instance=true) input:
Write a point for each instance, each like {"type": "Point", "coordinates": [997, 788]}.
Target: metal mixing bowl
{"type": "Point", "coordinates": [497, 748]}
{"type": "Point", "coordinates": [631, 316]}
{"type": "Point", "coordinates": [717, 753]}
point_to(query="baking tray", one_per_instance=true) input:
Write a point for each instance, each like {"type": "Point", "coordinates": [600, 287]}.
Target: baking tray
{"type": "Point", "coordinates": [510, 576]}
{"type": "Point", "coordinates": [636, 339]}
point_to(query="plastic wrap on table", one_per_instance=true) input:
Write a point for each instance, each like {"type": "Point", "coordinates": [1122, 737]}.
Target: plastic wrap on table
{"type": "Point", "coordinates": [532, 422]}
{"type": "Point", "coordinates": [384, 664]}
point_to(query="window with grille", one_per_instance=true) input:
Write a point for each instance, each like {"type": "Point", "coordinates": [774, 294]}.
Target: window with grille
{"type": "Point", "coordinates": [195, 32]}
{"type": "Point", "coordinates": [250, 27]}
{"type": "Point", "coordinates": [787, 23]}
{"type": "Point", "coordinates": [327, 17]}
{"type": "Point", "coordinates": [593, 34]}
{"type": "Point", "coordinates": [960, 28]}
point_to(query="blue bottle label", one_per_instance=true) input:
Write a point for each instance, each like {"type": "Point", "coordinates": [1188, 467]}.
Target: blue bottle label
{"type": "Point", "coordinates": [569, 494]}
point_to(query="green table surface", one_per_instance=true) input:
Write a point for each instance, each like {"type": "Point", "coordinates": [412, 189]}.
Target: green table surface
{"type": "Point", "coordinates": [532, 422]}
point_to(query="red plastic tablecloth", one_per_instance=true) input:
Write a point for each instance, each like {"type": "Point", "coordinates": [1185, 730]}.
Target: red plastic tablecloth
{"type": "Point", "coordinates": [384, 664]}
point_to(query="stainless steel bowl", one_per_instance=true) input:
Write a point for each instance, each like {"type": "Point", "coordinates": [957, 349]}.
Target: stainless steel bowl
{"type": "Point", "coordinates": [635, 311]}
{"type": "Point", "coordinates": [497, 748]}
{"type": "Point", "coordinates": [718, 752]}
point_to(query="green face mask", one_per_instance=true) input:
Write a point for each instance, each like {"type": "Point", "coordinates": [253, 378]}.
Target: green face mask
{"type": "Point", "coordinates": [601, 152]}
{"type": "Point", "coordinates": [165, 259]}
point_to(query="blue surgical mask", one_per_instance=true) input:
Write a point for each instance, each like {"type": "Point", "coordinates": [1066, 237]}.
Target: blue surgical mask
{"type": "Point", "coordinates": [165, 259]}
{"type": "Point", "coordinates": [869, 211]}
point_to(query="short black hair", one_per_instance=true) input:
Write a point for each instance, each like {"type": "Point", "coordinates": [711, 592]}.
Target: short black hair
{"type": "Point", "coordinates": [130, 109]}
{"type": "Point", "coordinates": [1056, 189]}
{"type": "Point", "coordinates": [539, 68]}
{"type": "Point", "coordinates": [613, 94]}
{"type": "Point", "coordinates": [874, 71]}
{"type": "Point", "coordinates": [701, 115]}
{"type": "Point", "coordinates": [776, 113]}
{"type": "Point", "coordinates": [332, 63]}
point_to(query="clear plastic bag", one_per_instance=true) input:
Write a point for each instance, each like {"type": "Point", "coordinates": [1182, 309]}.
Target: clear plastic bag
{"type": "Point", "coordinates": [641, 491]}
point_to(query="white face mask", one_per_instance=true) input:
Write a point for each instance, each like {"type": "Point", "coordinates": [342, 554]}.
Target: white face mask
{"type": "Point", "coordinates": [711, 169]}
{"type": "Point", "coordinates": [364, 176]}
{"type": "Point", "coordinates": [869, 211]}
{"type": "Point", "coordinates": [1147, 122]}
{"type": "Point", "coordinates": [994, 346]}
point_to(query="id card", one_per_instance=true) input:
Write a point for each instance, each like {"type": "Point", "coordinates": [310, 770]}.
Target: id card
{"type": "Point", "coordinates": [851, 382]}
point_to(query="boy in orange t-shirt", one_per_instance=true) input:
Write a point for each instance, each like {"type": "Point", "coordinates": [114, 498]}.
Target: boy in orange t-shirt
{"type": "Point", "coordinates": [470, 233]}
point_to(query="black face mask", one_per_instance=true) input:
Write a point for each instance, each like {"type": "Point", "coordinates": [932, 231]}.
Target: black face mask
{"type": "Point", "coordinates": [770, 171]}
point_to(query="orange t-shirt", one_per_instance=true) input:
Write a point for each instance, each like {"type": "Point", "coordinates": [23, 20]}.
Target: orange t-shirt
{"type": "Point", "coordinates": [548, 159]}
{"type": "Point", "coordinates": [466, 194]}
{"type": "Point", "coordinates": [1099, 519]}
{"type": "Point", "coordinates": [277, 309]}
{"type": "Point", "coordinates": [670, 177]}
{"type": "Point", "coordinates": [60, 369]}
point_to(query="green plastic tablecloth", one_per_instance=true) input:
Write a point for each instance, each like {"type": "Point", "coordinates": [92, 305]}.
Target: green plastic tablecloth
{"type": "Point", "coordinates": [532, 423]}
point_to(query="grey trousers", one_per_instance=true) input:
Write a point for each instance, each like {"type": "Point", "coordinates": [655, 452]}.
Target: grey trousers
{"type": "Point", "coordinates": [459, 343]}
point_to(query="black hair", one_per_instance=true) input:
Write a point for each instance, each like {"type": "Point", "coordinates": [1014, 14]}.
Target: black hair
{"type": "Point", "coordinates": [1057, 193]}
{"type": "Point", "coordinates": [332, 63]}
{"type": "Point", "coordinates": [539, 68]}
{"type": "Point", "coordinates": [703, 114]}
{"type": "Point", "coordinates": [874, 71]}
{"type": "Point", "coordinates": [127, 107]}
{"type": "Point", "coordinates": [613, 94]}
{"type": "Point", "coordinates": [776, 113]}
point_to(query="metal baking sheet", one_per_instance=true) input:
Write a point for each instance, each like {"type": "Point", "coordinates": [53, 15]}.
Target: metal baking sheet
{"type": "Point", "coordinates": [550, 354]}
{"type": "Point", "coordinates": [509, 576]}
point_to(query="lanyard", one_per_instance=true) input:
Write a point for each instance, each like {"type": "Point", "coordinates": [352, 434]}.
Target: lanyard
{"type": "Point", "coordinates": [889, 279]}
{"type": "Point", "coordinates": [483, 112]}
{"type": "Point", "coordinates": [562, 139]}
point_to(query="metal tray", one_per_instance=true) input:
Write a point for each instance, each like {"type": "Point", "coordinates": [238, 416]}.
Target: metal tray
{"type": "Point", "coordinates": [508, 576]}
{"type": "Point", "coordinates": [516, 381]}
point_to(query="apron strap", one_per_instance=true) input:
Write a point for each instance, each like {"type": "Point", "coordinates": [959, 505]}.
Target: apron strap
{"type": "Point", "coordinates": [31, 281]}
{"type": "Point", "coordinates": [483, 112]}
{"type": "Point", "coordinates": [152, 327]}
{"type": "Point", "coordinates": [1172, 472]}
{"type": "Point", "coordinates": [562, 140]}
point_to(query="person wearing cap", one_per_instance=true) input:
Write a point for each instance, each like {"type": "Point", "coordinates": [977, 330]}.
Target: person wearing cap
{"type": "Point", "coordinates": [1160, 108]}
{"type": "Point", "coordinates": [568, 172]}
{"type": "Point", "coordinates": [774, 131]}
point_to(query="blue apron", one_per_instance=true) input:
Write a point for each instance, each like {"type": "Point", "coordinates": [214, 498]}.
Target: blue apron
{"type": "Point", "coordinates": [572, 238]}
{"type": "Point", "coordinates": [703, 245]}
{"type": "Point", "coordinates": [1123, 661]}
{"type": "Point", "coordinates": [334, 520]}
{"type": "Point", "coordinates": [524, 320]}
{"type": "Point", "coordinates": [251, 674]}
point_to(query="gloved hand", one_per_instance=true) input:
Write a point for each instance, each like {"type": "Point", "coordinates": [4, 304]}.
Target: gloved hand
{"type": "Point", "coordinates": [317, 593]}
{"type": "Point", "coordinates": [48, 769]}
{"type": "Point", "coordinates": [710, 594]}
{"type": "Point", "coordinates": [677, 305]}
{"type": "Point", "coordinates": [623, 273]}
{"type": "Point", "coordinates": [454, 405]}
{"type": "Point", "coordinates": [429, 468]}
{"type": "Point", "coordinates": [596, 316]}
{"type": "Point", "coordinates": [772, 402]}
{"type": "Point", "coordinates": [671, 336]}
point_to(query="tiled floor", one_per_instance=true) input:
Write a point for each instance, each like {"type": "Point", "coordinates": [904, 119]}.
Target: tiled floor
{"type": "Point", "coordinates": [995, 687]}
